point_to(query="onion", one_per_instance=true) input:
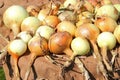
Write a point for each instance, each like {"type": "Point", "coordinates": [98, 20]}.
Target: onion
{"type": "Point", "coordinates": [80, 46]}
{"type": "Point", "coordinates": [66, 26]}
{"type": "Point", "coordinates": [45, 31]}
{"type": "Point", "coordinates": [16, 48]}
{"type": "Point", "coordinates": [38, 46]}
{"type": "Point", "coordinates": [91, 32]}
{"type": "Point", "coordinates": [30, 24]}
{"type": "Point", "coordinates": [25, 36]}
{"type": "Point", "coordinates": [108, 10]}
{"type": "Point", "coordinates": [117, 33]}
{"type": "Point", "coordinates": [105, 23]}
{"type": "Point", "coordinates": [51, 21]}
{"type": "Point", "coordinates": [13, 17]}
{"type": "Point", "coordinates": [60, 43]}
{"type": "Point", "coordinates": [106, 41]}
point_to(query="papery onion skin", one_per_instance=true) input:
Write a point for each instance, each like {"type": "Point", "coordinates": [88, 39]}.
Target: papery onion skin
{"type": "Point", "coordinates": [17, 47]}
{"type": "Point", "coordinates": [30, 24]}
{"type": "Point", "coordinates": [80, 46]}
{"type": "Point", "coordinates": [106, 39]}
{"type": "Point", "coordinates": [59, 41]}
{"type": "Point", "coordinates": [13, 17]}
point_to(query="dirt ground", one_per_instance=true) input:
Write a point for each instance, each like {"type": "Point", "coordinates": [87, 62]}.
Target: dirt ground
{"type": "Point", "coordinates": [42, 68]}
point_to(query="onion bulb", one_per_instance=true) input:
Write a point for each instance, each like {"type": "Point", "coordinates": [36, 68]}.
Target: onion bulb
{"type": "Point", "coordinates": [105, 23]}
{"type": "Point", "coordinates": [38, 46]}
{"type": "Point", "coordinates": [80, 46]}
{"type": "Point", "coordinates": [51, 21]}
{"type": "Point", "coordinates": [16, 48]}
{"type": "Point", "coordinates": [25, 36]}
{"type": "Point", "coordinates": [45, 31]}
{"type": "Point", "coordinates": [13, 17]}
{"type": "Point", "coordinates": [107, 10]}
{"type": "Point", "coordinates": [117, 33]}
{"type": "Point", "coordinates": [66, 26]}
{"type": "Point", "coordinates": [60, 43]}
{"type": "Point", "coordinates": [30, 24]}
{"type": "Point", "coordinates": [106, 41]}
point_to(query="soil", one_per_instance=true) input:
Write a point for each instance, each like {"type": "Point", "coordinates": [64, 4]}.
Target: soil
{"type": "Point", "coordinates": [42, 68]}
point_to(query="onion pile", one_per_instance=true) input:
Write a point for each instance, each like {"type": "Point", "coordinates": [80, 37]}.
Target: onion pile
{"type": "Point", "coordinates": [74, 28]}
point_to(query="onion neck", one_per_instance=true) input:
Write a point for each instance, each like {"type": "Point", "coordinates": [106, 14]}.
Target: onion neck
{"type": "Point", "coordinates": [17, 75]}
{"type": "Point", "coordinates": [68, 51]}
{"type": "Point", "coordinates": [96, 51]}
{"type": "Point", "coordinates": [105, 58]}
{"type": "Point", "coordinates": [16, 29]}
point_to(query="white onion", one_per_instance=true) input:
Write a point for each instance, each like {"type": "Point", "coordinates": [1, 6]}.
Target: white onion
{"type": "Point", "coordinates": [45, 31]}
{"type": "Point", "coordinates": [17, 47]}
{"type": "Point", "coordinates": [80, 46]}
{"type": "Point", "coordinates": [106, 39]}
{"type": "Point", "coordinates": [25, 36]}
{"type": "Point", "coordinates": [13, 17]}
{"type": "Point", "coordinates": [30, 24]}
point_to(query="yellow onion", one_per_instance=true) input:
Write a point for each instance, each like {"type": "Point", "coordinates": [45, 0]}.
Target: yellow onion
{"type": "Point", "coordinates": [38, 46]}
{"type": "Point", "coordinates": [105, 23]}
{"type": "Point", "coordinates": [66, 26]}
{"type": "Point", "coordinates": [60, 43]}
